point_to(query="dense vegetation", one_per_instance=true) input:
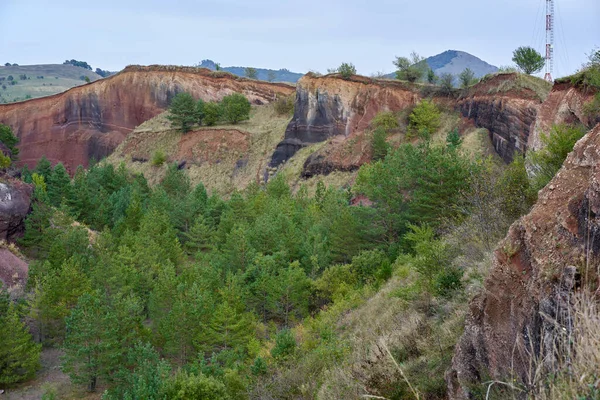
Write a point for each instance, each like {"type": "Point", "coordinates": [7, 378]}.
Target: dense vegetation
{"type": "Point", "coordinates": [528, 60]}
{"type": "Point", "coordinates": [184, 111]}
{"type": "Point", "coordinates": [169, 292]}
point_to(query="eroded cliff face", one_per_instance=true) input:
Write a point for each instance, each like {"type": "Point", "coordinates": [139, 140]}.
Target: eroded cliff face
{"type": "Point", "coordinates": [535, 269]}
{"type": "Point", "coordinates": [90, 121]}
{"type": "Point", "coordinates": [565, 104]}
{"type": "Point", "coordinates": [506, 109]}
{"type": "Point", "coordinates": [329, 106]}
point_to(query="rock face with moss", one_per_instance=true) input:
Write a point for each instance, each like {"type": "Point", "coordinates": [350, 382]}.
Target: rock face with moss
{"type": "Point", "coordinates": [525, 302]}
{"type": "Point", "coordinates": [90, 121]}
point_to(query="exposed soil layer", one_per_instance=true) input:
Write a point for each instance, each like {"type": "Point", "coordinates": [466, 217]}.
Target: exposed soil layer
{"type": "Point", "coordinates": [89, 122]}
{"type": "Point", "coordinates": [525, 300]}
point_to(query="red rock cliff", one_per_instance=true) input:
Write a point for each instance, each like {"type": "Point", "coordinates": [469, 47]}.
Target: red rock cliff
{"type": "Point", "coordinates": [90, 121]}
{"type": "Point", "coordinates": [330, 106]}
{"type": "Point", "coordinates": [535, 268]}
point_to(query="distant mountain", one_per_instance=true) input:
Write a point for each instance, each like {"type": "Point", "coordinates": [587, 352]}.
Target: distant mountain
{"type": "Point", "coordinates": [454, 62]}
{"type": "Point", "coordinates": [280, 75]}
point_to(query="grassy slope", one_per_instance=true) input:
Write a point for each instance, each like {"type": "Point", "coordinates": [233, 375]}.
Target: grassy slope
{"type": "Point", "coordinates": [57, 78]}
{"type": "Point", "coordinates": [264, 130]}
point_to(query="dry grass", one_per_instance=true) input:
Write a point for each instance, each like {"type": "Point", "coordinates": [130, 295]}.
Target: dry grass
{"type": "Point", "coordinates": [233, 169]}
{"type": "Point", "coordinates": [540, 87]}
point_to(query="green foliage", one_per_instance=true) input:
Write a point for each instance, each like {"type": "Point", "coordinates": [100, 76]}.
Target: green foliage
{"type": "Point", "coordinates": [8, 138]}
{"type": "Point", "coordinates": [447, 83]}
{"type": "Point", "coordinates": [19, 355]}
{"type": "Point", "coordinates": [410, 68]}
{"type": "Point", "coordinates": [43, 168]}
{"type": "Point", "coordinates": [546, 162]}
{"type": "Point", "coordinates": [99, 330]}
{"type": "Point", "coordinates": [213, 113]}
{"type": "Point", "coordinates": [386, 120]}
{"type": "Point", "coordinates": [346, 70]}
{"type": "Point", "coordinates": [284, 105]}
{"type": "Point", "coordinates": [59, 185]}
{"type": "Point", "coordinates": [467, 78]}
{"type": "Point", "coordinates": [251, 73]}
{"type": "Point", "coordinates": [81, 64]}
{"type": "Point", "coordinates": [453, 139]}
{"type": "Point", "coordinates": [516, 192]}
{"type": "Point", "coordinates": [379, 144]}
{"type": "Point", "coordinates": [424, 120]}
{"type": "Point", "coordinates": [184, 386]}
{"type": "Point", "coordinates": [4, 161]}
{"type": "Point", "coordinates": [158, 158]}
{"type": "Point", "coordinates": [182, 112]}
{"type": "Point", "coordinates": [528, 60]}
{"type": "Point", "coordinates": [432, 78]}
{"type": "Point", "coordinates": [236, 108]}
{"type": "Point", "coordinates": [285, 345]}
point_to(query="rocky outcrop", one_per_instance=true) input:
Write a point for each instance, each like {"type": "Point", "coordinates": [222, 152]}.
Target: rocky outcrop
{"type": "Point", "coordinates": [564, 105]}
{"type": "Point", "coordinates": [330, 106]}
{"type": "Point", "coordinates": [506, 107]}
{"type": "Point", "coordinates": [526, 294]}
{"type": "Point", "coordinates": [13, 272]}
{"type": "Point", "coordinates": [15, 204]}
{"type": "Point", "coordinates": [90, 121]}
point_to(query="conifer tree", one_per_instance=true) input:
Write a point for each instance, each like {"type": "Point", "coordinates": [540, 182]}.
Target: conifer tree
{"type": "Point", "coordinates": [43, 167]}
{"type": "Point", "coordinates": [59, 185]}
{"type": "Point", "coordinates": [19, 355]}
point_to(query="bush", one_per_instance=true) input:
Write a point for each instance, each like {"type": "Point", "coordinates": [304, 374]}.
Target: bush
{"type": "Point", "coordinates": [379, 144]}
{"type": "Point", "coordinates": [236, 108]}
{"type": "Point", "coordinates": [346, 70]}
{"type": "Point", "coordinates": [212, 113]}
{"type": "Point", "coordinates": [284, 105]}
{"type": "Point", "coordinates": [250, 73]}
{"type": "Point", "coordinates": [158, 158]}
{"type": "Point", "coordinates": [285, 344]}
{"type": "Point", "coordinates": [386, 120]}
{"type": "Point", "coordinates": [546, 162]}
{"type": "Point", "coordinates": [8, 138]}
{"type": "Point", "coordinates": [467, 77]}
{"type": "Point", "coordinates": [424, 119]}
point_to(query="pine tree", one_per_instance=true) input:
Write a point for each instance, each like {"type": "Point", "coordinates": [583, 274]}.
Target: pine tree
{"type": "Point", "coordinates": [59, 185]}
{"type": "Point", "coordinates": [183, 112]}
{"type": "Point", "coordinates": [43, 167]}
{"type": "Point", "coordinates": [19, 355]}
{"type": "Point", "coordinates": [199, 237]}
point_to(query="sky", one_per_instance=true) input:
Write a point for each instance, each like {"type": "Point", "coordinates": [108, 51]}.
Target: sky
{"type": "Point", "coordinates": [298, 35]}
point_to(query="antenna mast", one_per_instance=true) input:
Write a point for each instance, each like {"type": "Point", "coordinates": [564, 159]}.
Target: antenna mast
{"type": "Point", "coordinates": [549, 40]}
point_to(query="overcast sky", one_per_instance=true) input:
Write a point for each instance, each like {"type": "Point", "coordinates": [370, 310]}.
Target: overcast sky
{"type": "Point", "coordinates": [298, 35]}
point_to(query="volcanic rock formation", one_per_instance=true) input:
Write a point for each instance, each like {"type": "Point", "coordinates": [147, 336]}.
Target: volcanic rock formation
{"type": "Point", "coordinates": [15, 203]}
{"type": "Point", "coordinates": [534, 271]}
{"type": "Point", "coordinates": [330, 106]}
{"type": "Point", "coordinates": [90, 121]}
{"type": "Point", "coordinates": [565, 104]}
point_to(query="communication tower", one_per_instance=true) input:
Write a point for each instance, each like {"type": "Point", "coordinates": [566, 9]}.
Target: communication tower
{"type": "Point", "coordinates": [549, 40]}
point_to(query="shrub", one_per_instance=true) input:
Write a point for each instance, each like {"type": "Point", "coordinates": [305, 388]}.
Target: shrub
{"type": "Point", "coordinates": [212, 113]}
{"type": "Point", "coordinates": [558, 144]}
{"type": "Point", "coordinates": [424, 119]}
{"type": "Point", "coordinates": [8, 138]}
{"type": "Point", "coordinates": [284, 105]}
{"type": "Point", "coordinates": [236, 108]}
{"type": "Point", "coordinates": [453, 139]}
{"type": "Point", "coordinates": [379, 144]}
{"type": "Point", "coordinates": [158, 158]}
{"type": "Point", "coordinates": [285, 344]}
{"type": "Point", "coordinates": [386, 120]}
{"type": "Point", "coordinates": [250, 73]}
{"type": "Point", "coordinates": [346, 70]}
{"type": "Point", "coordinates": [528, 60]}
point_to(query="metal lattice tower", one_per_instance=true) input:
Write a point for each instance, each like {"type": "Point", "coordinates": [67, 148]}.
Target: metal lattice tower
{"type": "Point", "coordinates": [549, 40]}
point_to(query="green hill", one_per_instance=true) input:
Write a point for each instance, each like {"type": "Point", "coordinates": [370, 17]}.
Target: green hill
{"type": "Point", "coordinates": [32, 81]}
